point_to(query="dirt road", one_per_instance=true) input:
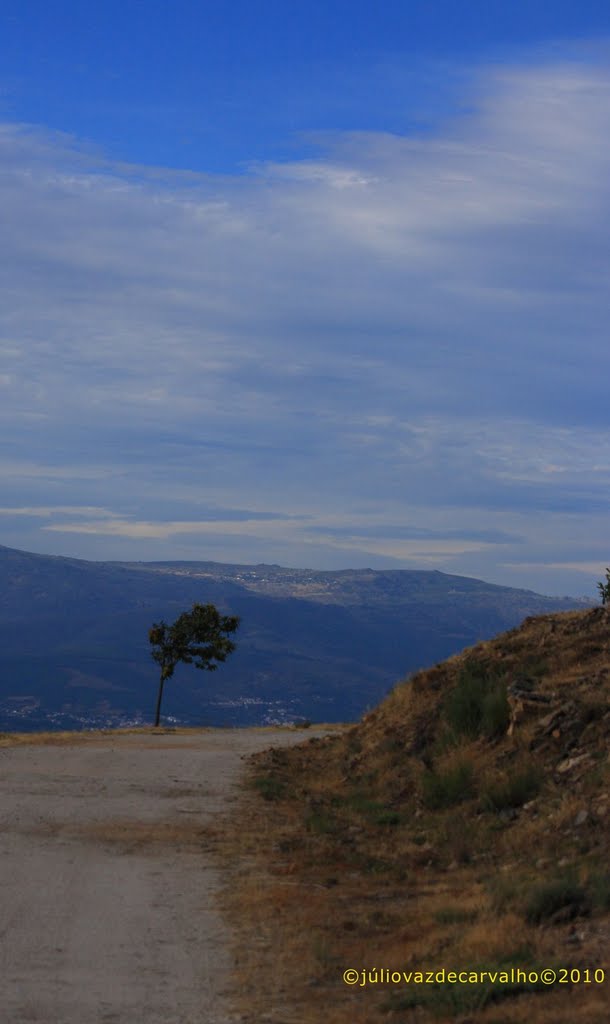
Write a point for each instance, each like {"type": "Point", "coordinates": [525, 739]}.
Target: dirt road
{"type": "Point", "coordinates": [108, 909]}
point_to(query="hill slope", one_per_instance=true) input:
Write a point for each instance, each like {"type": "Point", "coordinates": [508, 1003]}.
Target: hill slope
{"type": "Point", "coordinates": [316, 645]}
{"type": "Point", "coordinates": [463, 824]}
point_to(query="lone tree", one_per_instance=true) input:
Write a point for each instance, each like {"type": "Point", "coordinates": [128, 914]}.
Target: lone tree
{"type": "Point", "coordinates": [604, 589]}
{"type": "Point", "coordinates": [197, 636]}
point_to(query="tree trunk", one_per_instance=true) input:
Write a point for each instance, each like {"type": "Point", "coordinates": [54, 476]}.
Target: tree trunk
{"type": "Point", "coordinates": [159, 696]}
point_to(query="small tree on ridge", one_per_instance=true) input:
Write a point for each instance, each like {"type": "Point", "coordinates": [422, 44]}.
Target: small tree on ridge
{"type": "Point", "coordinates": [199, 636]}
{"type": "Point", "coordinates": [604, 589]}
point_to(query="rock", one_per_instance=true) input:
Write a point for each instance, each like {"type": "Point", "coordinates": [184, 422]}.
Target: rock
{"type": "Point", "coordinates": [548, 722]}
{"type": "Point", "coordinates": [572, 762]}
{"type": "Point", "coordinates": [564, 914]}
{"type": "Point", "coordinates": [508, 814]}
{"type": "Point", "coordinates": [580, 818]}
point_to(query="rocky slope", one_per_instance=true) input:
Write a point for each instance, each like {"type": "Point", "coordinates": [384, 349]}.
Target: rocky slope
{"type": "Point", "coordinates": [464, 823]}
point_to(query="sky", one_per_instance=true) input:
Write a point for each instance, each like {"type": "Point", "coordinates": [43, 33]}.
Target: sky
{"type": "Point", "coordinates": [319, 284]}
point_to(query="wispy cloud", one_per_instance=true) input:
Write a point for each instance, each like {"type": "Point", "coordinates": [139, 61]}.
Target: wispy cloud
{"type": "Point", "coordinates": [227, 523]}
{"type": "Point", "coordinates": [415, 328]}
{"type": "Point", "coordinates": [44, 512]}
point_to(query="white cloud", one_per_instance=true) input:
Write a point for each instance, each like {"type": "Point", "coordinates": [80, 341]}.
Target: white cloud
{"type": "Point", "coordinates": [45, 511]}
{"type": "Point", "coordinates": [587, 568]}
{"type": "Point", "coordinates": [411, 326]}
{"type": "Point", "coordinates": [141, 530]}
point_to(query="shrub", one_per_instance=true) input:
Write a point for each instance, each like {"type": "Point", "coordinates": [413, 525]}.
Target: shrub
{"type": "Point", "coordinates": [320, 823]}
{"type": "Point", "coordinates": [387, 817]}
{"type": "Point", "coordinates": [377, 865]}
{"type": "Point", "coordinates": [604, 589]}
{"type": "Point", "coordinates": [503, 892]}
{"type": "Point", "coordinates": [478, 704]}
{"type": "Point", "coordinates": [366, 807]}
{"type": "Point", "coordinates": [454, 915]}
{"type": "Point", "coordinates": [452, 1000]}
{"type": "Point", "coordinates": [495, 712]}
{"type": "Point", "coordinates": [535, 665]}
{"type": "Point", "coordinates": [269, 787]}
{"type": "Point", "coordinates": [512, 791]}
{"type": "Point", "coordinates": [448, 786]}
{"type": "Point", "coordinates": [563, 894]}
{"type": "Point", "coordinates": [599, 886]}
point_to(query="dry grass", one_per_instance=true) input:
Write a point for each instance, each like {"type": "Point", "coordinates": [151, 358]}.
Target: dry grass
{"type": "Point", "coordinates": [134, 836]}
{"type": "Point", "coordinates": [58, 739]}
{"type": "Point", "coordinates": [65, 738]}
{"type": "Point", "coordinates": [341, 859]}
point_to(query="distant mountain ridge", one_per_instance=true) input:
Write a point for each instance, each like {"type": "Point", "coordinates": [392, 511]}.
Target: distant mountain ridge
{"type": "Point", "coordinates": [314, 644]}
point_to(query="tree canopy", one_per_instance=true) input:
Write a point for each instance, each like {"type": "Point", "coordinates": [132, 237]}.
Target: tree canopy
{"type": "Point", "coordinates": [604, 589]}
{"type": "Point", "coordinates": [199, 637]}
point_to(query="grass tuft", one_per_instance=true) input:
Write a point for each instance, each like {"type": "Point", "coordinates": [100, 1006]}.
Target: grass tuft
{"type": "Point", "coordinates": [478, 704]}
{"type": "Point", "coordinates": [513, 790]}
{"type": "Point", "coordinates": [269, 787]}
{"type": "Point", "coordinates": [446, 787]}
{"type": "Point", "coordinates": [562, 897]}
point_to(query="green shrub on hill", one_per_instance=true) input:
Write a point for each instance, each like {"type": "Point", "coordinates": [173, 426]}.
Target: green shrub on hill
{"type": "Point", "coordinates": [445, 787]}
{"type": "Point", "coordinates": [478, 705]}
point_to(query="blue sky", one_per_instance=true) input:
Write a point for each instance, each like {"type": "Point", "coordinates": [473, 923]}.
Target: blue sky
{"type": "Point", "coordinates": [308, 284]}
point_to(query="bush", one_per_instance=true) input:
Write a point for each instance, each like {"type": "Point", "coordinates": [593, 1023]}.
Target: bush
{"type": "Point", "coordinates": [453, 1000]}
{"type": "Point", "coordinates": [604, 589]}
{"type": "Point", "coordinates": [478, 705]}
{"type": "Point", "coordinates": [366, 807]}
{"type": "Point", "coordinates": [269, 787]}
{"type": "Point", "coordinates": [513, 790]}
{"type": "Point", "coordinates": [503, 892]}
{"type": "Point", "coordinates": [449, 786]}
{"type": "Point", "coordinates": [599, 887]}
{"type": "Point", "coordinates": [563, 894]}
{"type": "Point", "coordinates": [454, 915]}
{"type": "Point", "coordinates": [320, 823]}
{"type": "Point", "coordinates": [495, 712]}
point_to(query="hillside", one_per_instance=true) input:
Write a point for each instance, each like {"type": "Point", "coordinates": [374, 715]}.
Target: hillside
{"type": "Point", "coordinates": [463, 824]}
{"type": "Point", "coordinates": [312, 645]}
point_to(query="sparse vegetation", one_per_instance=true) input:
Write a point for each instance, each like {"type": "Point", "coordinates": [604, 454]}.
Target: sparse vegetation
{"type": "Point", "coordinates": [368, 809]}
{"type": "Point", "coordinates": [563, 896]}
{"type": "Point", "coordinates": [269, 787]}
{"type": "Point", "coordinates": [393, 845]}
{"type": "Point", "coordinates": [445, 787]}
{"type": "Point", "coordinates": [457, 998]}
{"type": "Point", "coordinates": [511, 790]}
{"type": "Point", "coordinates": [599, 888]}
{"type": "Point", "coordinates": [477, 705]}
{"type": "Point", "coordinates": [320, 823]}
{"type": "Point", "coordinates": [454, 915]}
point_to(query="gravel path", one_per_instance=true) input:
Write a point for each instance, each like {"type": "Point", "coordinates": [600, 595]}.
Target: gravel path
{"type": "Point", "coordinates": [108, 910]}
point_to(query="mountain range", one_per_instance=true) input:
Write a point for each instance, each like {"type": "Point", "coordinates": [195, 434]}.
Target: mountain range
{"type": "Point", "coordinates": [312, 644]}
